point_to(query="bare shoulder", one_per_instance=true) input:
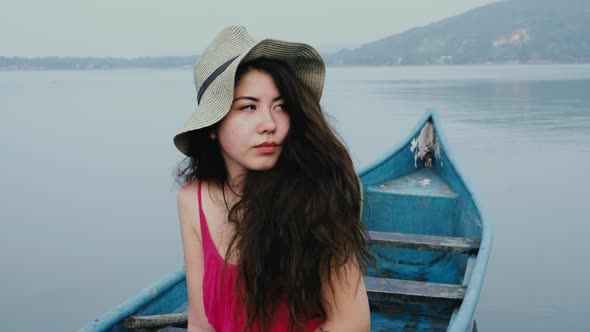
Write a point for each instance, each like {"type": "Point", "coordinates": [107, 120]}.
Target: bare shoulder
{"type": "Point", "coordinates": [188, 207]}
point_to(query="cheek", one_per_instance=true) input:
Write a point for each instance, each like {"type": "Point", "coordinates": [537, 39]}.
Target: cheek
{"type": "Point", "coordinates": [227, 139]}
{"type": "Point", "coordinates": [225, 136]}
{"type": "Point", "coordinates": [233, 136]}
{"type": "Point", "coordinates": [284, 124]}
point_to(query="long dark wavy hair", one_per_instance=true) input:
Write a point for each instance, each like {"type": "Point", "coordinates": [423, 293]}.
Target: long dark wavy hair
{"type": "Point", "coordinates": [295, 223]}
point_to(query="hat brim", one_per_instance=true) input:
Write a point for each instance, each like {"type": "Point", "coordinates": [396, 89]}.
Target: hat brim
{"type": "Point", "coordinates": [303, 59]}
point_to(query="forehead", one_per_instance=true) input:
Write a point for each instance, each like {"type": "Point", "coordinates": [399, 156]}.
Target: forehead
{"type": "Point", "coordinates": [256, 81]}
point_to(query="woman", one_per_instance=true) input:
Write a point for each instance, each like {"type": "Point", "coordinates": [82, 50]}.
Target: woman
{"type": "Point", "coordinates": [270, 203]}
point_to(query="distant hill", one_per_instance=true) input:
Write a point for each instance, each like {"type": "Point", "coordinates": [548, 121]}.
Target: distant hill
{"type": "Point", "coordinates": [511, 31]}
{"type": "Point", "coordinates": [84, 63]}
{"type": "Point", "coordinates": [519, 31]}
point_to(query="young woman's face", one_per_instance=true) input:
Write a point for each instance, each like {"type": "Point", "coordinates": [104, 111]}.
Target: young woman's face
{"type": "Point", "coordinates": [252, 133]}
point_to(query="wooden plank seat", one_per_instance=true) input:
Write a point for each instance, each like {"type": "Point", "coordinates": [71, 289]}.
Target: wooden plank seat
{"type": "Point", "coordinates": [378, 289]}
{"type": "Point", "coordinates": [413, 291]}
{"type": "Point", "coordinates": [154, 322]}
{"type": "Point", "coordinates": [424, 242]}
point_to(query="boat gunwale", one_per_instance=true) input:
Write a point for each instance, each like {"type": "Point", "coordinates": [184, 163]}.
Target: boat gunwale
{"type": "Point", "coordinates": [130, 306]}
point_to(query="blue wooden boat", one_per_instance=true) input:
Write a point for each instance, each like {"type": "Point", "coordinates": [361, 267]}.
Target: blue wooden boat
{"type": "Point", "coordinates": [430, 239]}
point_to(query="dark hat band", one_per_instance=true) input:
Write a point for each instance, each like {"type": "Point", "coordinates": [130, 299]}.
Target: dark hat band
{"type": "Point", "coordinates": [212, 77]}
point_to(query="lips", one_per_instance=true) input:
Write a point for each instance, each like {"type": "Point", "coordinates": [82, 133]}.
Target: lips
{"type": "Point", "coordinates": [267, 147]}
{"type": "Point", "coordinates": [265, 144]}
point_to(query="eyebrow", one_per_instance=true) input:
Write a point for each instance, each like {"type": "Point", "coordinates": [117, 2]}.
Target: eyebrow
{"type": "Point", "coordinates": [256, 99]}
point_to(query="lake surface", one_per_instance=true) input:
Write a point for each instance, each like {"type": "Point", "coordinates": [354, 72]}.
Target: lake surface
{"type": "Point", "coordinates": [88, 202]}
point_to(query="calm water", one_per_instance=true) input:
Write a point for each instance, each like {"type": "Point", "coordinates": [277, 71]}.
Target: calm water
{"type": "Point", "coordinates": [88, 210]}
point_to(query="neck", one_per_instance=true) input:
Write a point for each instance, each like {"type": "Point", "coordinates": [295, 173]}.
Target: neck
{"type": "Point", "coordinates": [231, 192]}
{"type": "Point", "coordinates": [235, 184]}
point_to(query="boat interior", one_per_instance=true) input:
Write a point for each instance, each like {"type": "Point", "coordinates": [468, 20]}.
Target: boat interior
{"type": "Point", "coordinates": [424, 232]}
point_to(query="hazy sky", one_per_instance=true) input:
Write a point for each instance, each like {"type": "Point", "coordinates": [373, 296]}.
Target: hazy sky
{"type": "Point", "coordinates": [129, 28]}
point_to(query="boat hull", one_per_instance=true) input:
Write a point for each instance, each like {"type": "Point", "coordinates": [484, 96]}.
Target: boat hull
{"type": "Point", "coordinates": [409, 192]}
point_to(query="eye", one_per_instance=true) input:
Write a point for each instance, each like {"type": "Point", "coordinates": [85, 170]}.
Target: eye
{"type": "Point", "coordinates": [281, 107]}
{"type": "Point", "coordinates": [248, 107]}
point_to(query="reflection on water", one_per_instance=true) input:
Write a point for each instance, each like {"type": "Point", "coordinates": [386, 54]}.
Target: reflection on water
{"type": "Point", "coordinates": [89, 212]}
{"type": "Point", "coordinates": [546, 105]}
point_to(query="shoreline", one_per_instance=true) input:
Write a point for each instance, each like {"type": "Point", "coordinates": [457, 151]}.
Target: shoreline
{"type": "Point", "coordinates": [15, 68]}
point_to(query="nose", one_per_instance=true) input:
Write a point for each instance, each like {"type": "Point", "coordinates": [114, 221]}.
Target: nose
{"type": "Point", "coordinates": [267, 122]}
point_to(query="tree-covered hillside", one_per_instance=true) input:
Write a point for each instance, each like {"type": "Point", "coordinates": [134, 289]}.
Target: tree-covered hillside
{"type": "Point", "coordinates": [521, 31]}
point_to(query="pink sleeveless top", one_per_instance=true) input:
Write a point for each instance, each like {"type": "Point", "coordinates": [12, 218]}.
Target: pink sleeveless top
{"type": "Point", "coordinates": [224, 310]}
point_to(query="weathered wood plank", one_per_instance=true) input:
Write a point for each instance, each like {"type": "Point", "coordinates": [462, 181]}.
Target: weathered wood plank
{"type": "Point", "coordinates": [413, 291]}
{"type": "Point", "coordinates": [142, 322]}
{"type": "Point", "coordinates": [424, 242]}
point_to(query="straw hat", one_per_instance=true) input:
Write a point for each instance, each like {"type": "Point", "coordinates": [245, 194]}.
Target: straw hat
{"type": "Point", "coordinates": [215, 72]}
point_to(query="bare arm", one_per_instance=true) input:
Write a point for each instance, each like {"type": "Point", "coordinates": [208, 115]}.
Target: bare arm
{"type": "Point", "coordinates": [347, 309]}
{"type": "Point", "coordinates": [188, 215]}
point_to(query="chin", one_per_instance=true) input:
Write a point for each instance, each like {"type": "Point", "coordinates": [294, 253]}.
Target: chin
{"type": "Point", "coordinates": [264, 165]}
